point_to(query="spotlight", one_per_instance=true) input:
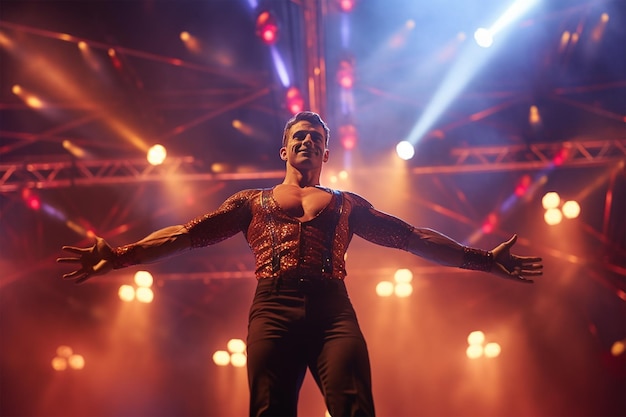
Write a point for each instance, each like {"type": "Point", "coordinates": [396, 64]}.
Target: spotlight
{"type": "Point", "coordinates": [267, 28]}
{"type": "Point", "coordinates": [295, 102]}
{"type": "Point", "coordinates": [405, 150]}
{"type": "Point", "coordinates": [345, 74]}
{"type": "Point", "coordinates": [348, 135]}
{"type": "Point", "coordinates": [156, 155]}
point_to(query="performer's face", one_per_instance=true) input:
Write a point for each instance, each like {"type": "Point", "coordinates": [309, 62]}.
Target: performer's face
{"type": "Point", "coordinates": [306, 144]}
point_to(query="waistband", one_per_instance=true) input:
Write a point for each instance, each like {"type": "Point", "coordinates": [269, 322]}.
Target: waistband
{"type": "Point", "coordinates": [304, 284]}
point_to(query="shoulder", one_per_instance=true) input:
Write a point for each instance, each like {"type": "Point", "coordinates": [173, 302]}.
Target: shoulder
{"type": "Point", "coordinates": [242, 197]}
{"type": "Point", "coordinates": [356, 200]}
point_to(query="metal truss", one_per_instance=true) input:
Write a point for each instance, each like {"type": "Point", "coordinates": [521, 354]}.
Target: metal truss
{"type": "Point", "coordinates": [532, 156]}
{"type": "Point", "coordinates": [40, 175]}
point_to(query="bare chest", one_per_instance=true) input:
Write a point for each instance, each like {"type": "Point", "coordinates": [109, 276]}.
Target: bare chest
{"type": "Point", "coordinates": [303, 204]}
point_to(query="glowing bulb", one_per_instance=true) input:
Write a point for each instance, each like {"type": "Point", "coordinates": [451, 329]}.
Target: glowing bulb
{"type": "Point", "coordinates": [144, 295]}
{"type": "Point", "coordinates": [238, 360]}
{"type": "Point", "coordinates": [405, 150]}
{"type": "Point", "coordinates": [571, 209]}
{"type": "Point", "coordinates": [76, 362]}
{"type": "Point", "coordinates": [403, 275]}
{"type": "Point", "coordinates": [403, 289]}
{"type": "Point", "coordinates": [384, 289]}
{"type": "Point", "coordinates": [483, 37]}
{"type": "Point", "coordinates": [474, 351]}
{"type": "Point", "coordinates": [550, 200]}
{"type": "Point", "coordinates": [126, 293]}
{"type": "Point", "coordinates": [492, 350]}
{"type": "Point", "coordinates": [236, 346]}
{"type": "Point", "coordinates": [221, 358]}
{"type": "Point", "coordinates": [156, 155]}
{"type": "Point", "coordinates": [553, 216]}
{"type": "Point", "coordinates": [143, 278]}
{"type": "Point", "coordinates": [476, 338]}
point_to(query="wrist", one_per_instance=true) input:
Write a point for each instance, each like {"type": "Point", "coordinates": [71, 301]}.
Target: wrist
{"type": "Point", "coordinates": [124, 256]}
{"type": "Point", "coordinates": [477, 259]}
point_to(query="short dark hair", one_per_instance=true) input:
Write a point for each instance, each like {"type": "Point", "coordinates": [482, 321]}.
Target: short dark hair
{"type": "Point", "coordinates": [307, 116]}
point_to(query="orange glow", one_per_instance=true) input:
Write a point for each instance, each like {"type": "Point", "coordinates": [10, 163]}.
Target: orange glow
{"type": "Point", "coordinates": [403, 275]}
{"type": "Point", "coordinates": [64, 351]}
{"type": "Point", "coordinates": [474, 351]}
{"type": "Point", "coordinates": [5, 41]}
{"type": "Point", "coordinates": [59, 364]}
{"type": "Point", "coordinates": [238, 360]}
{"type": "Point", "coordinates": [492, 350]}
{"type": "Point", "coordinates": [534, 118]}
{"type": "Point", "coordinates": [384, 289]}
{"type": "Point", "coordinates": [236, 346]}
{"type": "Point", "coordinates": [34, 102]}
{"type": "Point", "coordinates": [403, 289]}
{"type": "Point", "coordinates": [17, 89]}
{"type": "Point", "coordinates": [221, 358]}
{"type": "Point", "coordinates": [144, 295]}
{"type": "Point", "coordinates": [83, 46]}
{"type": "Point", "coordinates": [476, 338]}
{"type": "Point", "coordinates": [143, 279]}
{"type": "Point", "coordinates": [76, 362]}
{"type": "Point", "coordinates": [126, 293]}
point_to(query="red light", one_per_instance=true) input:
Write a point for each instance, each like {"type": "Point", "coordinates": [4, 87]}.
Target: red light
{"type": "Point", "coordinates": [267, 27]}
{"type": "Point", "coordinates": [349, 137]}
{"type": "Point", "coordinates": [345, 74]}
{"type": "Point", "coordinates": [346, 5]}
{"type": "Point", "coordinates": [522, 185]}
{"type": "Point", "coordinates": [34, 203]}
{"type": "Point", "coordinates": [490, 223]}
{"type": "Point", "coordinates": [295, 102]}
{"type": "Point", "coordinates": [559, 158]}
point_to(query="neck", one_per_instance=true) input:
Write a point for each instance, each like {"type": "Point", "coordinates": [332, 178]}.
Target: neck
{"type": "Point", "coordinates": [302, 178]}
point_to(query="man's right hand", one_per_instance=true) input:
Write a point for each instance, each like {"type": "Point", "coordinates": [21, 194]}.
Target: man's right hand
{"type": "Point", "coordinates": [93, 261]}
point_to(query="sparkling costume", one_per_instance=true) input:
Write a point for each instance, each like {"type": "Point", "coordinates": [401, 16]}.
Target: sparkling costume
{"type": "Point", "coordinates": [301, 315]}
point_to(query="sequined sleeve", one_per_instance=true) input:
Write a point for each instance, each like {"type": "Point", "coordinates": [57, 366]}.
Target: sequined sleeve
{"type": "Point", "coordinates": [376, 226]}
{"type": "Point", "coordinates": [233, 216]}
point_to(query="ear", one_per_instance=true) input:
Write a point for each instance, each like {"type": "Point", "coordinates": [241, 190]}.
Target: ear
{"type": "Point", "coordinates": [283, 153]}
{"type": "Point", "coordinates": [326, 155]}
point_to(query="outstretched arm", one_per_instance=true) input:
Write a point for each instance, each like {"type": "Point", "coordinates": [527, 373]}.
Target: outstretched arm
{"type": "Point", "coordinates": [102, 258]}
{"type": "Point", "coordinates": [439, 248]}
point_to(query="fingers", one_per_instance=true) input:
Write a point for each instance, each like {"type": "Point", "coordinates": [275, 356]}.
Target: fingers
{"type": "Point", "coordinates": [76, 250]}
{"type": "Point", "coordinates": [68, 260]}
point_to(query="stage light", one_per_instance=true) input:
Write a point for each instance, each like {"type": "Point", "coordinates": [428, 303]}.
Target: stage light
{"type": "Point", "coordinates": [550, 200]}
{"type": "Point", "coordinates": [346, 5]}
{"type": "Point", "coordinates": [156, 154]}
{"type": "Point", "coordinates": [476, 338]}
{"type": "Point", "coordinates": [59, 364]}
{"type": "Point", "coordinates": [618, 347]}
{"type": "Point", "coordinates": [405, 150]}
{"type": "Point", "coordinates": [522, 185]}
{"type": "Point", "coordinates": [267, 27]}
{"type": "Point", "coordinates": [384, 289]}
{"type": "Point", "coordinates": [534, 118]}
{"type": "Point", "coordinates": [403, 289]}
{"type": "Point", "coordinates": [295, 102]}
{"type": "Point", "coordinates": [76, 362]}
{"type": "Point", "coordinates": [345, 74]}
{"type": "Point", "coordinates": [474, 351]}
{"type": "Point", "coordinates": [144, 295]}
{"type": "Point", "coordinates": [143, 279]}
{"type": "Point", "coordinates": [483, 37]}
{"type": "Point", "coordinates": [221, 358]}
{"type": "Point", "coordinates": [571, 209]}
{"type": "Point", "coordinates": [553, 216]}
{"type": "Point", "coordinates": [236, 346]}
{"type": "Point", "coordinates": [403, 275]}
{"type": "Point", "coordinates": [126, 293]}
{"type": "Point", "coordinates": [238, 360]}
{"type": "Point", "coordinates": [348, 136]}
{"type": "Point", "coordinates": [31, 199]}
{"type": "Point", "coordinates": [492, 350]}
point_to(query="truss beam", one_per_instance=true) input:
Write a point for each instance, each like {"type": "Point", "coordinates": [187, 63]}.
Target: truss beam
{"type": "Point", "coordinates": [17, 176]}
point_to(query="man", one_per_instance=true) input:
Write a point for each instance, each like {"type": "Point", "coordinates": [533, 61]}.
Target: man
{"type": "Point", "coordinates": [299, 231]}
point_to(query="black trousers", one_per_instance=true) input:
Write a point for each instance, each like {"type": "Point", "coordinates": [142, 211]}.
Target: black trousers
{"type": "Point", "coordinates": [297, 324]}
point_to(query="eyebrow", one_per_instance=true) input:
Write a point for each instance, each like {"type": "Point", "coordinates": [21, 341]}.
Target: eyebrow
{"type": "Point", "coordinates": [314, 134]}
